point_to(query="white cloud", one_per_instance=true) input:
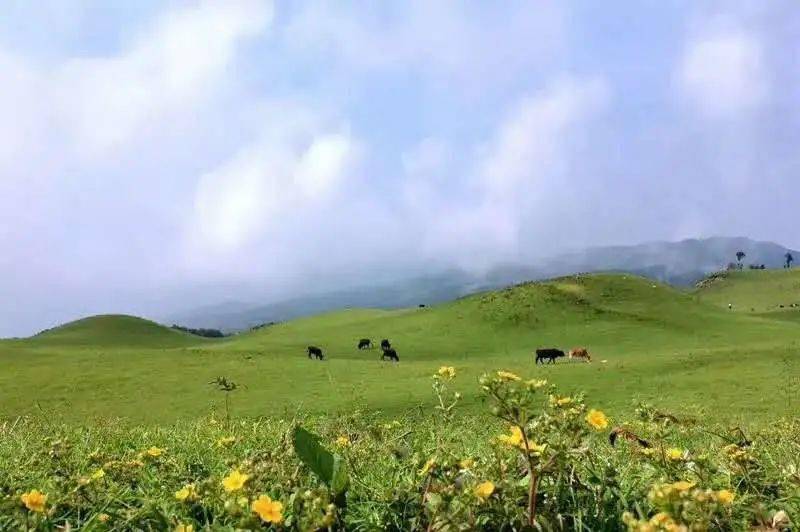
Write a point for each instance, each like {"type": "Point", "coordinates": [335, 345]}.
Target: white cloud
{"type": "Point", "coordinates": [723, 73]}
{"type": "Point", "coordinates": [527, 147]}
{"type": "Point", "coordinates": [168, 70]}
{"type": "Point", "coordinates": [453, 42]}
{"type": "Point", "coordinates": [321, 168]}
{"type": "Point", "coordinates": [268, 185]}
{"type": "Point", "coordinates": [86, 106]}
{"type": "Point", "coordinates": [22, 123]}
{"type": "Point", "coordinates": [428, 158]}
{"type": "Point", "coordinates": [514, 175]}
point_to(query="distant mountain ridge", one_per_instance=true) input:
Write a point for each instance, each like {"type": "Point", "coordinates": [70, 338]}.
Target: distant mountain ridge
{"type": "Point", "coordinates": [678, 263]}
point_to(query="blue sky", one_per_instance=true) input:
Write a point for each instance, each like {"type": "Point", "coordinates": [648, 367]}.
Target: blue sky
{"type": "Point", "coordinates": [155, 155]}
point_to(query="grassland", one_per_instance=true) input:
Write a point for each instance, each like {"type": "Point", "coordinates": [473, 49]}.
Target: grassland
{"type": "Point", "coordinates": [681, 350]}
{"type": "Point", "coordinates": [111, 423]}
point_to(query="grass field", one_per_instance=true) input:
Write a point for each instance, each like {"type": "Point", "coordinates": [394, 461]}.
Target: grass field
{"type": "Point", "coordinates": [681, 350]}
{"type": "Point", "coordinates": [110, 423]}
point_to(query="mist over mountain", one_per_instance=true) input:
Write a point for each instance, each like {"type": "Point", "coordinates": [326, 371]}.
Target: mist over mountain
{"type": "Point", "coordinates": [678, 263]}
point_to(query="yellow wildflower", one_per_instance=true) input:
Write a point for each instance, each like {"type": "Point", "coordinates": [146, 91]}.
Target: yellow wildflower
{"type": "Point", "coordinates": [103, 518]}
{"type": "Point", "coordinates": [507, 376]}
{"type": "Point", "coordinates": [34, 500]}
{"type": "Point", "coordinates": [234, 481]}
{"type": "Point", "coordinates": [97, 475]}
{"type": "Point", "coordinates": [674, 454]}
{"type": "Point", "coordinates": [597, 419]}
{"type": "Point", "coordinates": [683, 485]}
{"type": "Point", "coordinates": [154, 452]}
{"type": "Point", "coordinates": [535, 448]}
{"type": "Point", "coordinates": [725, 497]}
{"type": "Point", "coordinates": [660, 518]}
{"type": "Point", "coordinates": [536, 383]}
{"type": "Point", "coordinates": [429, 465]}
{"type": "Point", "coordinates": [448, 372]}
{"type": "Point", "coordinates": [484, 490]}
{"type": "Point", "coordinates": [186, 493]}
{"type": "Point", "coordinates": [343, 441]}
{"type": "Point", "coordinates": [664, 521]}
{"type": "Point", "coordinates": [268, 510]}
{"type": "Point", "coordinates": [466, 463]}
{"type": "Point", "coordinates": [515, 439]}
{"type": "Point", "coordinates": [226, 441]}
{"type": "Point", "coordinates": [184, 528]}
{"type": "Point", "coordinates": [560, 401]}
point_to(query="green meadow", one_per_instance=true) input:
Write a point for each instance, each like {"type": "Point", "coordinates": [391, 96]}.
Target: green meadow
{"type": "Point", "coordinates": [683, 351]}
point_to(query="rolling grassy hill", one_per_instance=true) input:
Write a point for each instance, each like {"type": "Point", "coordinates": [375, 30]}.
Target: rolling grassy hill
{"type": "Point", "coordinates": [113, 331]}
{"type": "Point", "coordinates": [677, 263]}
{"type": "Point", "coordinates": [754, 291]}
{"type": "Point", "coordinates": [681, 350]}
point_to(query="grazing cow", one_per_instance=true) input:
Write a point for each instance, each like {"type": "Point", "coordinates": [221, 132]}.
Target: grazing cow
{"type": "Point", "coordinates": [315, 352]}
{"type": "Point", "coordinates": [390, 354]}
{"type": "Point", "coordinates": [365, 343]}
{"type": "Point", "coordinates": [580, 352]}
{"type": "Point", "coordinates": [551, 354]}
{"type": "Point", "coordinates": [385, 344]}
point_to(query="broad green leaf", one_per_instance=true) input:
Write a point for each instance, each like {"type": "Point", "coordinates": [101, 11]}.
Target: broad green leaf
{"type": "Point", "coordinates": [329, 467]}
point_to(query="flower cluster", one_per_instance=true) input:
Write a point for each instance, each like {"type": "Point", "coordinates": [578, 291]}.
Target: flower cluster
{"type": "Point", "coordinates": [544, 459]}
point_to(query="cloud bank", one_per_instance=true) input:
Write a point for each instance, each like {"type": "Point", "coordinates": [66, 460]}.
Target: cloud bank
{"type": "Point", "coordinates": [158, 157]}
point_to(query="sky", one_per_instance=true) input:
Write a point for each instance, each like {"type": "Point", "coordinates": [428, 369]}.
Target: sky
{"type": "Point", "coordinates": [160, 155]}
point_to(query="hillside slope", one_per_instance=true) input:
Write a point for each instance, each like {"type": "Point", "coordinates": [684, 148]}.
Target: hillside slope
{"type": "Point", "coordinates": [678, 263]}
{"type": "Point", "coordinates": [759, 291]}
{"type": "Point", "coordinates": [659, 344]}
{"type": "Point", "coordinates": [114, 331]}
{"type": "Point", "coordinates": [604, 310]}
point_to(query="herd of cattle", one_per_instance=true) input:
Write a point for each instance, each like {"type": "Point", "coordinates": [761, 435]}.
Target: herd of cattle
{"type": "Point", "coordinates": [389, 353]}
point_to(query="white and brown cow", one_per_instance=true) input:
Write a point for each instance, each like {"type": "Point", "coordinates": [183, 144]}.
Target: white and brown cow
{"type": "Point", "coordinates": [580, 353]}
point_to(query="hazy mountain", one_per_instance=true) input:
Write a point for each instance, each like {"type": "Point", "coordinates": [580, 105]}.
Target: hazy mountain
{"type": "Point", "coordinates": [405, 293]}
{"type": "Point", "coordinates": [680, 263]}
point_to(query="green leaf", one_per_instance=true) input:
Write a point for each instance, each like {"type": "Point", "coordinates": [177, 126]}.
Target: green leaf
{"type": "Point", "coordinates": [329, 467]}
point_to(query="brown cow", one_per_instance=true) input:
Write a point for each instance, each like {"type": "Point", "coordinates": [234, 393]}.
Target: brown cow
{"type": "Point", "coordinates": [580, 352]}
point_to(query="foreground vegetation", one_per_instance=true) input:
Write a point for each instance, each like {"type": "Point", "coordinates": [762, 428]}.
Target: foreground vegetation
{"type": "Point", "coordinates": [537, 458]}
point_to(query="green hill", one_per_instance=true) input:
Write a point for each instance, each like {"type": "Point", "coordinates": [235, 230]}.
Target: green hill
{"type": "Point", "coordinates": [114, 331]}
{"type": "Point", "coordinates": [759, 291]}
{"type": "Point", "coordinates": [677, 263]}
{"type": "Point", "coordinates": [682, 350]}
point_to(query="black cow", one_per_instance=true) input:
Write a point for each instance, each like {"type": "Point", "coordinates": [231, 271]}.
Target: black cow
{"type": "Point", "coordinates": [551, 354]}
{"type": "Point", "coordinates": [390, 354]}
{"type": "Point", "coordinates": [385, 344]}
{"type": "Point", "coordinates": [365, 343]}
{"type": "Point", "coordinates": [315, 352]}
